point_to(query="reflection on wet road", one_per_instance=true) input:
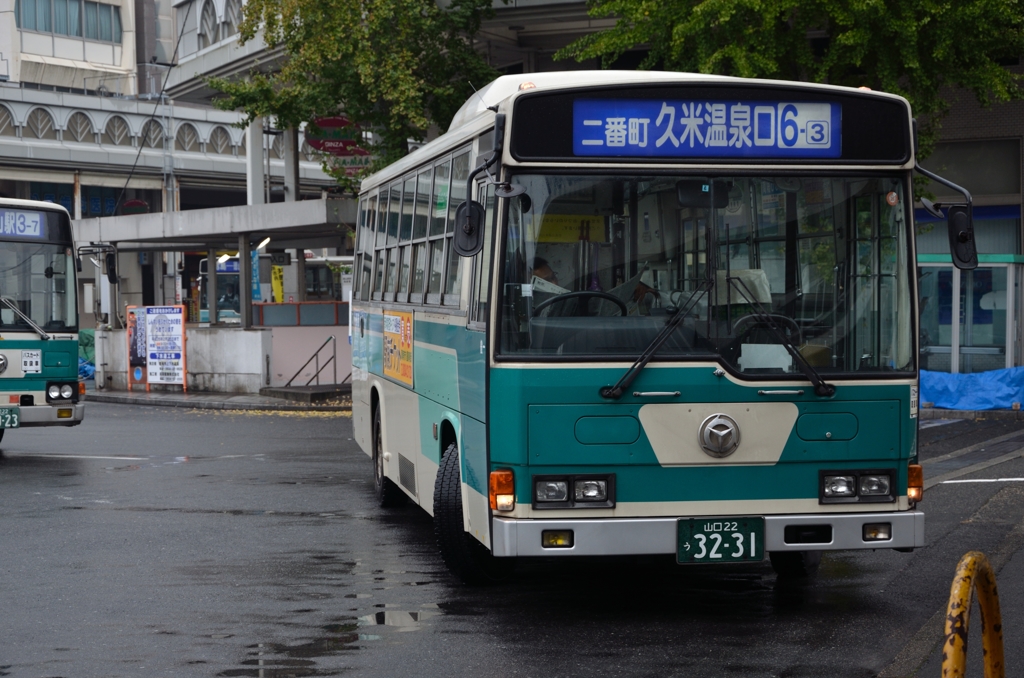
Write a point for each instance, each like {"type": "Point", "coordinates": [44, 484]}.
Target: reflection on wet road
{"type": "Point", "coordinates": [220, 545]}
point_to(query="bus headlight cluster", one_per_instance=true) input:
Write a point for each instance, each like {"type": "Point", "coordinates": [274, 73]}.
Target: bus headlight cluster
{"type": "Point", "coordinates": [61, 392]}
{"type": "Point", "coordinates": [584, 491]}
{"type": "Point", "coordinates": [856, 486]}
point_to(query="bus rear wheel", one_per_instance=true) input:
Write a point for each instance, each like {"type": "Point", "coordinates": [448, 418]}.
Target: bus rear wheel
{"type": "Point", "coordinates": [388, 494]}
{"type": "Point", "coordinates": [464, 556]}
{"type": "Point", "coordinates": [795, 564]}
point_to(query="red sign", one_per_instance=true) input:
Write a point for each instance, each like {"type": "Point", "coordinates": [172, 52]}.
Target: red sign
{"type": "Point", "coordinates": [338, 136]}
{"type": "Point", "coordinates": [135, 206]}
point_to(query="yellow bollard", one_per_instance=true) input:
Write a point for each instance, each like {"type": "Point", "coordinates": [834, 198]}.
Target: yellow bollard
{"type": "Point", "coordinates": [973, 573]}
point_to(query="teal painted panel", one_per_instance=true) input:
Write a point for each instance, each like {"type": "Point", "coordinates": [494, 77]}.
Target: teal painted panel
{"type": "Point", "coordinates": [434, 375]}
{"type": "Point", "coordinates": [554, 438]}
{"type": "Point", "coordinates": [432, 413]}
{"type": "Point", "coordinates": [472, 373]}
{"type": "Point", "coordinates": [473, 452]}
{"type": "Point", "coordinates": [280, 316]}
{"type": "Point", "coordinates": [879, 435]}
{"type": "Point", "coordinates": [318, 314]}
{"type": "Point", "coordinates": [56, 359]}
{"type": "Point", "coordinates": [615, 430]}
{"type": "Point", "coordinates": [832, 426]}
{"type": "Point", "coordinates": [546, 442]}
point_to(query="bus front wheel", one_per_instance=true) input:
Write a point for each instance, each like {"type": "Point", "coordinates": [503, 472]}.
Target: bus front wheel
{"type": "Point", "coordinates": [464, 556]}
{"type": "Point", "coordinates": [795, 564]}
{"type": "Point", "coordinates": [388, 494]}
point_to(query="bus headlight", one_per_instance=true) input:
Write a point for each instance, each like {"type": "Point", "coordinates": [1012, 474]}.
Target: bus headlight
{"type": "Point", "coordinates": [874, 485]}
{"type": "Point", "coordinates": [840, 486]}
{"type": "Point", "coordinates": [591, 490]}
{"type": "Point", "coordinates": [588, 491]}
{"type": "Point", "coordinates": [61, 392]}
{"type": "Point", "coordinates": [552, 490]}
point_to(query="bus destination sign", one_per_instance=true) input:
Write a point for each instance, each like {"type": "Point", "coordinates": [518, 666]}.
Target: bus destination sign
{"type": "Point", "coordinates": [22, 223]}
{"type": "Point", "coordinates": [706, 129]}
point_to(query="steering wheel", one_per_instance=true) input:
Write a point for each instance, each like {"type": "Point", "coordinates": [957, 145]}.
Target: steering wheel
{"type": "Point", "coordinates": [782, 319]}
{"type": "Point", "coordinates": [584, 306]}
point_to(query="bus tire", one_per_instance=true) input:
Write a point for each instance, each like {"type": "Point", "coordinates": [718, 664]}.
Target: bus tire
{"type": "Point", "coordinates": [464, 556]}
{"type": "Point", "coordinates": [388, 494]}
{"type": "Point", "coordinates": [795, 564]}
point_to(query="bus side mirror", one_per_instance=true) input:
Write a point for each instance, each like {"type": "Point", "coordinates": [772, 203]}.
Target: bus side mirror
{"type": "Point", "coordinates": [961, 237]}
{"type": "Point", "coordinates": [111, 260]}
{"type": "Point", "coordinates": [78, 264]}
{"type": "Point", "coordinates": [469, 231]}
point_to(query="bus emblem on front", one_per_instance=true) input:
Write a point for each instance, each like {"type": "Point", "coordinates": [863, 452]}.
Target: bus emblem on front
{"type": "Point", "coordinates": [719, 435]}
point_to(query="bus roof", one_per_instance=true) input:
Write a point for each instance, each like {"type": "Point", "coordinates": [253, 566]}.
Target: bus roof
{"type": "Point", "coordinates": [33, 204]}
{"type": "Point", "coordinates": [476, 114]}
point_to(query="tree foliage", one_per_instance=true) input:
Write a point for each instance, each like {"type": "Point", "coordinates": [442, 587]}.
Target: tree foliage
{"type": "Point", "coordinates": [914, 48]}
{"type": "Point", "coordinates": [394, 67]}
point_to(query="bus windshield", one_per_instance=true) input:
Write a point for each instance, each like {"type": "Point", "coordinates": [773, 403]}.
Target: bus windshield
{"type": "Point", "coordinates": [38, 278]}
{"type": "Point", "coordinates": [596, 264]}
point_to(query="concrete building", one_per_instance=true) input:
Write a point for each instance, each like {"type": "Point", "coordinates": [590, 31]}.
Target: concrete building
{"type": "Point", "coordinates": [83, 124]}
{"type": "Point", "coordinates": [81, 112]}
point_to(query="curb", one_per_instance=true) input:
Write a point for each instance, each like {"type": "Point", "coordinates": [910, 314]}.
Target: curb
{"type": "Point", "coordinates": [1002, 415]}
{"type": "Point", "coordinates": [210, 404]}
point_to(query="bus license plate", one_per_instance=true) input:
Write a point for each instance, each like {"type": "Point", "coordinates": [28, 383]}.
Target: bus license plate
{"type": "Point", "coordinates": [720, 540]}
{"type": "Point", "coordinates": [10, 417]}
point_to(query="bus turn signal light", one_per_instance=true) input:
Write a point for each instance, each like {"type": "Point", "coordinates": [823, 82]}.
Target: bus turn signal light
{"type": "Point", "coordinates": [915, 482]}
{"type": "Point", "coordinates": [502, 490]}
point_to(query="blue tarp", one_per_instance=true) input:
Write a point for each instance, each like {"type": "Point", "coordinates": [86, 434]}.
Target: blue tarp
{"type": "Point", "coordinates": [86, 370]}
{"type": "Point", "coordinates": [995, 390]}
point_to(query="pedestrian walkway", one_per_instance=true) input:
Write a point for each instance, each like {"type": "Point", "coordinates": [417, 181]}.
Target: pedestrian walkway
{"type": "Point", "coordinates": [212, 401]}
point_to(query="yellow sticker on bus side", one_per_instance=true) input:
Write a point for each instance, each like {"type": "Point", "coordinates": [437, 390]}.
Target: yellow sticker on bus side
{"type": "Point", "coordinates": [398, 346]}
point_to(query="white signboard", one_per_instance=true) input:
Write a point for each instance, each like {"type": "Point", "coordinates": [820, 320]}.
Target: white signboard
{"type": "Point", "coordinates": [32, 362]}
{"type": "Point", "coordinates": [165, 344]}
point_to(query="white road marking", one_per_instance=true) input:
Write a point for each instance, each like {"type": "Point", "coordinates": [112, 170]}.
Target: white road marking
{"type": "Point", "coordinates": [932, 423]}
{"type": "Point", "coordinates": [81, 456]}
{"type": "Point", "coordinates": [984, 480]}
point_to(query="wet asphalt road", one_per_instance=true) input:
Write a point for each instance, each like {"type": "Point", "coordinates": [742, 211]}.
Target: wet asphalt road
{"type": "Point", "coordinates": [162, 542]}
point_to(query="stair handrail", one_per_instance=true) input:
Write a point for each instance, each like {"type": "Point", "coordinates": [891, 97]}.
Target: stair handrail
{"type": "Point", "coordinates": [319, 369]}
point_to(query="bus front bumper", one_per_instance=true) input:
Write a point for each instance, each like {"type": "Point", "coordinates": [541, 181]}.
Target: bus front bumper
{"type": "Point", "coordinates": [644, 536]}
{"type": "Point", "coordinates": [46, 415]}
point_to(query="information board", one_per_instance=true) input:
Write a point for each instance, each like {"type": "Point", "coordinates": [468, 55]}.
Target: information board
{"type": "Point", "coordinates": [156, 345]}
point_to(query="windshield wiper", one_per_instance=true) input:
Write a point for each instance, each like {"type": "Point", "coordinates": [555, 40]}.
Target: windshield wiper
{"type": "Point", "coordinates": [821, 388]}
{"type": "Point", "coordinates": [615, 392]}
{"type": "Point", "coordinates": [9, 303]}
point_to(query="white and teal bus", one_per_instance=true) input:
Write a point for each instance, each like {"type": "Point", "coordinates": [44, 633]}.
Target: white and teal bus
{"type": "Point", "coordinates": [617, 313]}
{"type": "Point", "coordinates": [39, 383]}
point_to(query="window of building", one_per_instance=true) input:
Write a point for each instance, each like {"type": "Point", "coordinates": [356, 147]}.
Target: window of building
{"type": "Point", "coordinates": [73, 18]}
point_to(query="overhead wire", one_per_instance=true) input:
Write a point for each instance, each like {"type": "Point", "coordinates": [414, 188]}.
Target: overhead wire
{"type": "Point", "coordinates": [159, 102]}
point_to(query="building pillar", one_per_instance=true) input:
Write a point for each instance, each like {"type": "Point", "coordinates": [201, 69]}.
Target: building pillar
{"type": "Point", "coordinates": [291, 164]}
{"type": "Point", "coordinates": [300, 274]}
{"type": "Point", "coordinates": [254, 166]}
{"type": "Point", "coordinates": [77, 198]}
{"type": "Point", "coordinates": [245, 280]}
{"type": "Point", "coordinates": [211, 285]}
